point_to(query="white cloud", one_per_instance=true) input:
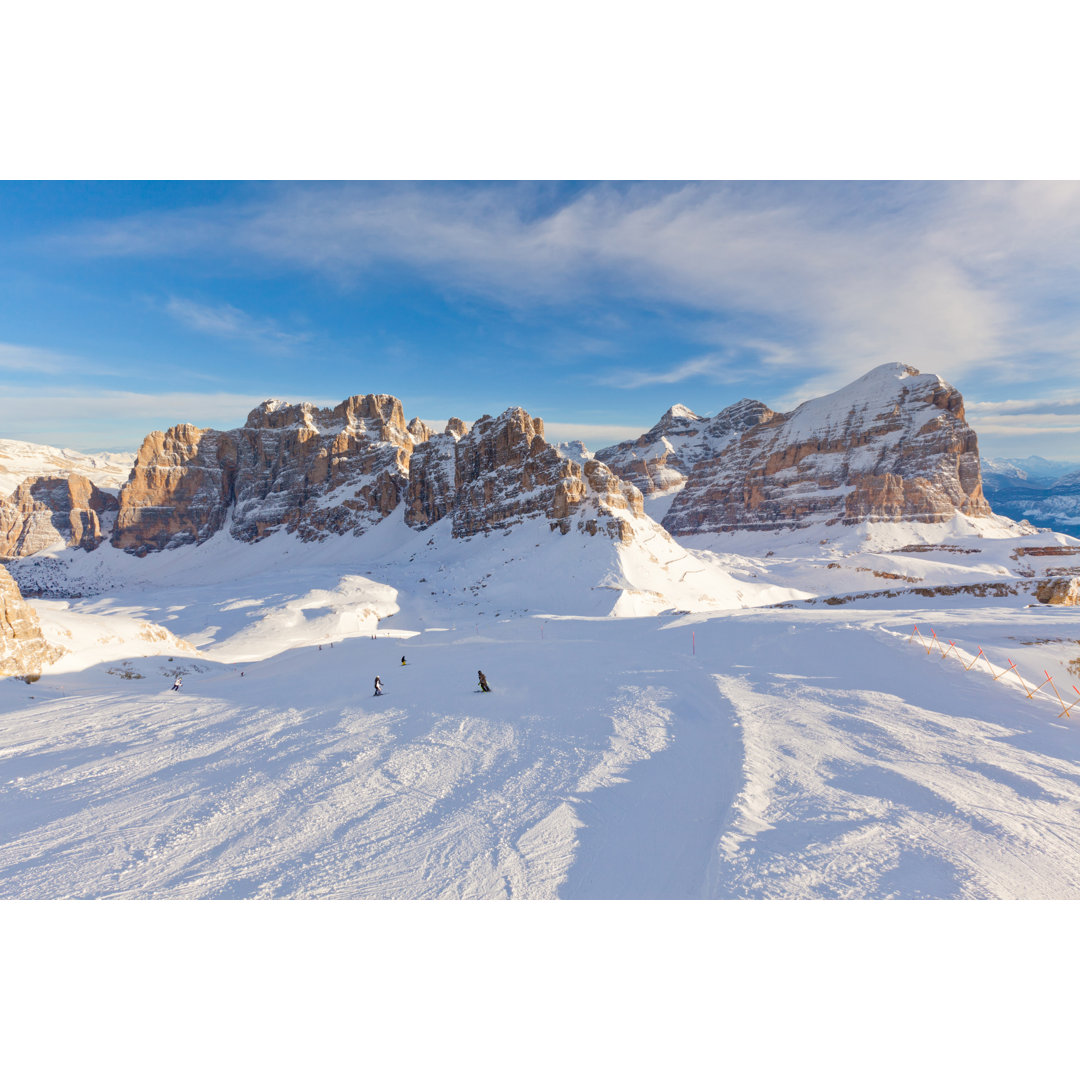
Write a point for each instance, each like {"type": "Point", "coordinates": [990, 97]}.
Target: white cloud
{"type": "Point", "coordinates": [711, 366]}
{"type": "Point", "coordinates": [950, 278]}
{"type": "Point", "coordinates": [224, 320]}
{"type": "Point", "coordinates": [29, 358]}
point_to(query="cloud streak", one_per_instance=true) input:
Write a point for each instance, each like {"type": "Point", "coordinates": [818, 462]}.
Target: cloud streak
{"type": "Point", "coordinates": [29, 358]}
{"type": "Point", "coordinates": [226, 321]}
{"type": "Point", "coordinates": [947, 277]}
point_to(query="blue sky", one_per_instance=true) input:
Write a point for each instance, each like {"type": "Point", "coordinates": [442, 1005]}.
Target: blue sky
{"type": "Point", "coordinates": [126, 307]}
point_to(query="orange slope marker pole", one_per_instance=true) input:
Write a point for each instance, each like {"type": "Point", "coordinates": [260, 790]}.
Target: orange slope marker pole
{"type": "Point", "coordinates": [1055, 689]}
{"type": "Point", "coordinates": [952, 648]}
{"type": "Point", "coordinates": [1018, 675]}
{"type": "Point", "coordinates": [1042, 684]}
{"type": "Point", "coordinates": [922, 640]}
{"type": "Point", "coordinates": [968, 667]}
{"type": "Point", "coordinates": [1065, 710]}
{"type": "Point", "coordinates": [933, 640]}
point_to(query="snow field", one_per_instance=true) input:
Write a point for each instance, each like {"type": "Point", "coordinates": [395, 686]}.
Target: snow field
{"type": "Point", "coordinates": [796, 754]}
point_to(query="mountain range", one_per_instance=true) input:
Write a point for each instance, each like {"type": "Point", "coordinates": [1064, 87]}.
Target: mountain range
{"type": "Point", "coordinates": [892, 446]}
{"type": "Point", "coordinates": [1046, 493]}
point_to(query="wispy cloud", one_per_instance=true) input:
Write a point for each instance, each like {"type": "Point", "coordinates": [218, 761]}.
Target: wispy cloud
{"type": "Point", "coordinates": [1018, 406]}
{"type": "Point", "coordinates": [30, 358]}
{"type": "Point", "coordinates": [226, 321]}
{"type": "Point", "coordinates": [947, 277]}
{"type": "Point", "coordinates": [710, 366]}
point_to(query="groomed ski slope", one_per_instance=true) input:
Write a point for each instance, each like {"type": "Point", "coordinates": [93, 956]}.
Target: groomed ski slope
{"type": "Point", "coordinates": [779, 753]}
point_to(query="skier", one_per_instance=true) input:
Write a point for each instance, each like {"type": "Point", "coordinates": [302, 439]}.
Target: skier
{"type": "Point", "coordinates": [176, 685]}
{"type": "Point", "coordinates": [378, 686]}
{"type": "Point", "coordinates": [403, 661]}
{"type": "Point", "coordinates": [483, 682]}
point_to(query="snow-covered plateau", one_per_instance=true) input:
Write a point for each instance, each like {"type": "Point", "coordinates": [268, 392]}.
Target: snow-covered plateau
{"type": "Point", "coordinates": [742, 715]}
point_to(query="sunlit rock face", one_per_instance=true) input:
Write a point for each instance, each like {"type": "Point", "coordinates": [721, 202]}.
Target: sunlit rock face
{"type": "Point", "coordinates": [662, 458]}
{"type": "Point", "coordinates": [891, 446]}
{"type": "Point", "coordinates": [502, 471]}
{"type": "Point", "coordinates": [23, 649]}
{"type": "Point", "coordinates": [47, 510]}
{"type": "Point", "coordinates": [308, 470]}
{"type": "Point", "coordinates": [1064, 591]}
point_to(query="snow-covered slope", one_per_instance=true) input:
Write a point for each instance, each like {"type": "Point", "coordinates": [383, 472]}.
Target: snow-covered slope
{"type": "Point", "coordinates": [20, 460]}
{"type": "Point", "coordinates": [775, 753]}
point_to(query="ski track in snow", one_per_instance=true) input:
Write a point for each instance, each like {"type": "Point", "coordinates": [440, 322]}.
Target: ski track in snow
{"type": "Point", "coordinates": [807, 752]}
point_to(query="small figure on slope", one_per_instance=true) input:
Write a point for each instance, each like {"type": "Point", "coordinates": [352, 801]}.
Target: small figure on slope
{"type": "Point", "coordinates": [176, 685]}
{"type": "Point", "coordinates": [378, 686]}
{"type": "Point", "coordinates": [483, 682]}
{"type": "Point", "coordinates": [403, 661]}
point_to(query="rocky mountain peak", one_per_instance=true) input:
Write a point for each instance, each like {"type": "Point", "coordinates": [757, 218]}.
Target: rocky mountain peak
{"type": "Point", "coordinates": [891, 446]}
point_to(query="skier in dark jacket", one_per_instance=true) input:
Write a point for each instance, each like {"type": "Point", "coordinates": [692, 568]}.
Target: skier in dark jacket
{"type": "Point", "coordinates": [483, 682]}
{"type": "Point", "coordinates": [403, 661]}
{"type": "Point", "coordinates": [378, 686]}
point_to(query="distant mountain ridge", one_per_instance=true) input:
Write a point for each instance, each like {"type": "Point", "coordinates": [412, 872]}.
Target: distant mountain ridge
{"type": "Point", "coordinates": [892, 446]}
{"type": "Point", "coordinates": [1046, 493]}
{"type": "Point", "coordinates": [20, 461]}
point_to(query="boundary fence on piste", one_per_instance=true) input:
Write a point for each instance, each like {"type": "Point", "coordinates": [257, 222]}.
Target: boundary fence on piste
{"type": "Point", "coordinates": [1011, 672]}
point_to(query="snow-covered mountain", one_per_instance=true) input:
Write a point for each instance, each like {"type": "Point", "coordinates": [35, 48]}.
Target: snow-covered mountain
{"type": "Point", "coordinates": [1032, 468]}
{"type": "Point", "coordinates": [21, 460]}
{"type": "Point", "coordinates": [1046, 493]}
{"type": "Point", "coordinates": [891, 446]}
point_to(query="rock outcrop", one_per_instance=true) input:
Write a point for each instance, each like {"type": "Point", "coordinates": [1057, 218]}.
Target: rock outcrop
{"type": "Point", "coordinates": [892, 446]}
{"type": "Point", "coordinates": [661, 459]}
{"type": "Point", "coordinates": [503, 470]}
{"type": "Point", "coordinates": [23, 649]}
{"type": "Point", "coordinates": [48, 510]}
{"type": "Point", "coordinates": [308, 470]}
{"type": "Point", "coordinates": [1064, 591]}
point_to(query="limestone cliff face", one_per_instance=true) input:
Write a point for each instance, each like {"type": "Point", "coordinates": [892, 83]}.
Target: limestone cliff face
{"type": "Point", "coordinates": [308, 470]}
{"type": "Point", "coordinates": [661, 459]}
{"type": "Point", "coordinates": [23, 649]}
{"type": "Point", "coordinates": [179, 489]}
{"type": "Point", "coordinates": [320, 471]}
{"type": "Point", "coordinates": [892, 446]}
{"type": "Point", "coordinates": [47, 510]}
{"type": "Point", "coordinates": [433, 477]}
{"type": "Point", "coordinates": [503, 470]}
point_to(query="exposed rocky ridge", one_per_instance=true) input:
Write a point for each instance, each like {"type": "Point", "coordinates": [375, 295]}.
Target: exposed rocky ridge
{"type": "Point", "coordinates": [317, 472]}
{"type": "Point", "coordinates": [891, 446]}
{"type": "Point", "coordinates": [308, 470]}
{"type": "Point", "coordinates": [47, 510]}
{"type": "Point", "coordinates": [23, 649]}
{"type": "Point", "coordinates": [503, 470]}
{"type": "Point", "coordinates": [661, 459]}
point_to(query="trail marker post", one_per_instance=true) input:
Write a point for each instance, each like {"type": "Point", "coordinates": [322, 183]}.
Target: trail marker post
{"type": "Point", "coordinates": [1042, 684]}
{"type": "Point", "coordinates": [1065, 710]}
